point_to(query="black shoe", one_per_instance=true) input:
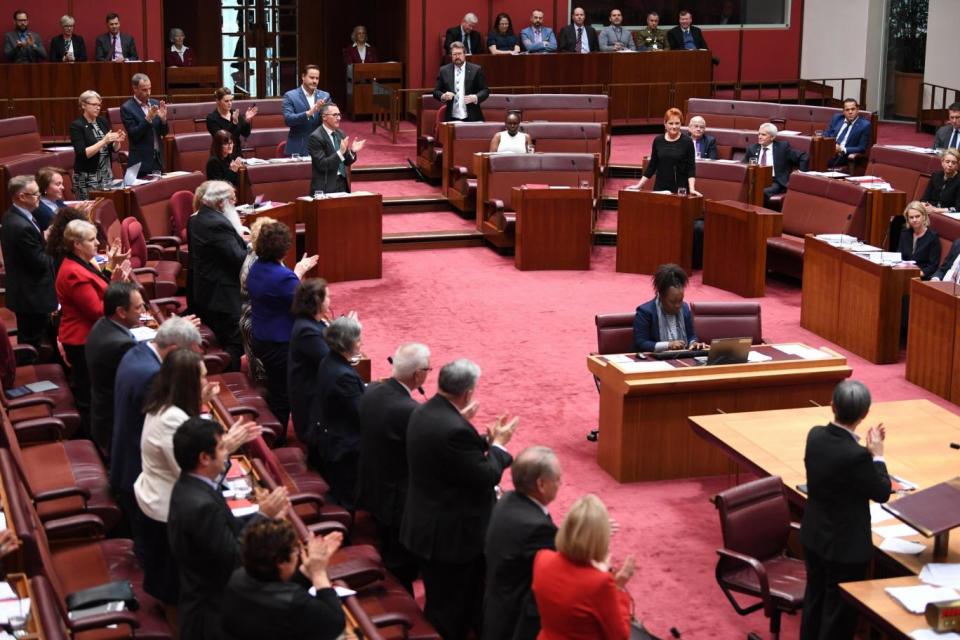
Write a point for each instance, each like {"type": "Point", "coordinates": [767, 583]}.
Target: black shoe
{"type": "Point", "coordinates": [593, 435]}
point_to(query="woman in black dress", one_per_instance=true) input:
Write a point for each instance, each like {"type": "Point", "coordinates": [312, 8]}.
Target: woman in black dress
{"type": "Point", "coordinates": [673, 158]}
{"type": "Point", "coordinates": [918, 242]}
{"type": "Point", "coordinates": [93, 145]}
{"type": "Point", "coordinates": [224, 160]}
{"type": "Point", "coordinates": [943, 190]}
{"type": "Point", "coordinates": [227, 118]}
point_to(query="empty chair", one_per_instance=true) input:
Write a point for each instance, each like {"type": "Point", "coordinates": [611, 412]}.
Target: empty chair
{"type": "Point", "coordinates": [158, 277]}
{"type": "Point", "coordinates": [181, 208]}
{"type": "Point", "coordinates": [615, 332]}
{"type": "Point", "coordinates": [727, 320]}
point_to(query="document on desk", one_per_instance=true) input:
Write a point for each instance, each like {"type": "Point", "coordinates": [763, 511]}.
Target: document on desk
{"type": "Point", "coordinates": [802, 351]}
{"type": "Point", "coordinates": [16, 607]}
{"type": "Point", "coordinates": [645, 366]}
{"type": "Point", "coordinates": [930, 634]}
{"type": "Point", "coordinates": [878, 513]}
{"type": "Point", "coordinates": [898, 545]}
{"type": "Point", "coordinates": [941, 574]}
{"type": "Point", "coordinates": [916, 599]}
{"type": "Point", "coordinates": [895, 531]}
{"type": "Point", "coordinates": [756, 356]}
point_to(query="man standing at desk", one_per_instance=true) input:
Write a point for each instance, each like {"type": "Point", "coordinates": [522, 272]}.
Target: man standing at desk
{"type": "Point", "coordinates": [461, 86]}
{"type": "Point", "coordinates": [331, 152]}
{"type": "Point", "coordinates": [21, 44]}
{"type": "Point", "coordinates": [842, 478]}
{"type": "Point", "coordinates": [301, 109]}
{"type": "Point", "coordinates": [145, 121]}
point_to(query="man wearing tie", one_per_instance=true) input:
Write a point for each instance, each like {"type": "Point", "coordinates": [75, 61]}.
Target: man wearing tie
{"type": "Point", "coordinates": [685, 36]}
{"type": "Point", "coordinates": [578, 37]}
{"type": "Point", "coordinates": [704, 145]}
{"type": "Point", "coordinates": [21, 44]}
{"type": "Point", "coordinates": [145, 121]}
{"type": "Point", "coordinates": [301, 109]}
{"type": "Point", "coordinates": [537, 38]}
{"type": "Point", "coordinates": [948, 136]}
{"type": "Point", "coordinates": [615, 37]}
{"type": "Point", "coordinates": [114, 45]}
{"type": "Point", "coordinates": [851, 132]}
{"type": "Point", "coordinates": [331, 152]}
{"type": "Point", "coordinates": [466, 34]}
{"type": "Point", "coordinates": [461, 86]}
{"type": "Point", "coordinates": [770, 152]}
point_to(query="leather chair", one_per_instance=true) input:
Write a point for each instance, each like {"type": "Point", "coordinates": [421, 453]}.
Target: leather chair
{"type": "Point", "coordinates": [615, 332]}
{"type": "Point", "coordinates": [278, 182]}
{"type": "Point", "coordinates": [262, 143]}
{"type": "Point", "coordinates": [727, 320]}
{"type": "Point", "coordinates": [755, 524]}
{"type": "Point", "coordinates": [190, 151]}
{"type": "Point", "coordinates": [158, 277]}
{"type": "Point", "coordinates": [181, 208]}
{"type": "Point", "coordinates": [269, 113]}
{"type": "Point", "coordinates": [104, 216]}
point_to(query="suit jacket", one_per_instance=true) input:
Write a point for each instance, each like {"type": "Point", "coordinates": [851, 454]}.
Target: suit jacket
{"type": "Point", "coordinates": [567, 41]}
{"type": "Point", "coordinates": [13, 53]}
{"type": "Point", "coordinates": [675, 38]}
{"type": "Point", "coordinates": [453, 472]}
{"type": "Point", "coordinates": [279, 610]}
{"type": "Point", "coordinates": [548, 37]}
{"type": "Point", "coordinates": [29, 270]}
{"type": "Point", "coordinates": [82, 136]}
{"type": "Point", "coordinates": [646, 329]}
{"type": "Point", "coordinates": [608, 39]}
{"type": "Point", "coordinates": [104, 47]}
{"type": "Point", "coordinates": [106, 345]}
{"type": "Point", "coordinates": [205, 540]}
{"type": "Point", "coordinates": [326, 162]}
{"type": "Point", "coordinates": [80, 289]}
{"type": "Point", "coordinates": [785, 160]}
{"type": "Point", "coordinates": [941, 140]}
{"type": "Point", "coordinates": [708, 147]}
{"type": "Point", "coordinates": [336, 408]}
{"type": "Point", "coordinates": [217, 253]}
{"type": "Point", "coordinates": [307, 351]}
{"type": "Point", "coordinates": [942, 192]}
{"type": "Point", "coordinates": [842, 479]}
{"type": "Point", "coordinates": [518, 530]}
{"type": "Point", "coordinates": [172, 58]}
{"type": "Point", "coordinates": [138, 367]}
{"type": "Point", "coordinates": [58, 49]}
{"type": "Point", "coordinates": [295, 108]}
{"type": "Point", "coordinates": [351, 55]}
{"type": "Point", "coordinates": [926, 254]}
{"type": "Point", "coordinates": [454, 35]}
{"type": "Point", "coordinates": [474, 83]}
{"type": "Point", "coordinates": [144, 138]}
{"type": "Point", "coordinates": [385, 411]}
{"type": "Point", "coordinates": [858, 139]}
{"type": "Point", "coordinates": [43, 214]}
{"type": "Point", "coordinates": [944, 267]}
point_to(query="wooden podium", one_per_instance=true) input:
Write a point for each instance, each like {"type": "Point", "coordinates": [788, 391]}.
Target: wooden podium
{"type": "Point", "coordinates": [554, 228]}
{"type": "Point", "coordinates": [347, 233]}
{"type": "Point", "coordinates": [193, 80]}
{"type": "Point", "coordinates": [735, 245]}
{"type": "Point", "coordinates": [360, 79]}
{"type": "Point", "coordinates": [654, 229]}
{"type": "Point", "coordinates": [933, 343]}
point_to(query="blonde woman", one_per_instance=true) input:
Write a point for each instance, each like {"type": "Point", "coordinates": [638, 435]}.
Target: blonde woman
{"type": "Point", "coordinates": [918, 242]}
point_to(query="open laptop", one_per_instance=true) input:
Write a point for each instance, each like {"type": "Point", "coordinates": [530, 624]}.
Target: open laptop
{"type": "Point", "coordinates": [728, 351]}
{"type": "Point", "coordinates": [129, 177]}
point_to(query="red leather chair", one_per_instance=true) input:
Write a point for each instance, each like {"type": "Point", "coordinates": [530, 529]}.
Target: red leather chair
{"type": "Point", "coordinates": [755, 523]}
{"type": "Point", "coordinates": [281, 149]}
{"type": "Point", "coordinates": [614, 332]}
{"type": "Point", "coordinates": [158, 277]}
{"type": "Point", "coordinates": [181, 208]}
{"type": "Point", "coordinates": [727, 320]}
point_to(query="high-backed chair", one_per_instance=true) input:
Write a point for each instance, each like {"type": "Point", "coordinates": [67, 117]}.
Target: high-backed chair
{"type": "Point", "coordinates": [723, 181]}
{"type": "Point", "coordinates": [158, 277]}
{"type": "Point", "coordinates": [278, 182]}
{"type": "Point", "coordinates": [149, 203]}
{"type": "Point", "coordinates": [181, 208]}
{"type": "Point", "coordinates": [755, 524]}
{"type": "Point", "coordinates": [615, 332]}
{"type": "Point", "coordinates": [907, 171]}
{"type": "Point", "coordinates": [190, 151]}
{"type": "Point", "coordinates": [269, 113]}
{"type": "Point", "coordinates": [263, 142]}
{"type": "Point", "coordinates": [947, 228]}
{"type": "Point", "coordinates": [727, 320]}
{"type": "Point", "coordinates": [188, 117]}
{"type": "Point", "coordinates": [104, 215]}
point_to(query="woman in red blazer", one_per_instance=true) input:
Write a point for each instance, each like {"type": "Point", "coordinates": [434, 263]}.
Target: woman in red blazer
{"type": "Point", "coordinates": [578, 596]}
{"type": "Point", "coordinates": [360, 51]}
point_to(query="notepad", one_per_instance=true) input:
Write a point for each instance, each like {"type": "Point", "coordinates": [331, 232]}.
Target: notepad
{"type": "Point", "coordinates": [898, 545]}
{"type": "Point", "coordinates": [646, 366]}
{"type": "Point", "coordinates": [895, 531]}
{"type": "Point", "coordinates": [41, 385]}
{"type": "Point", "coordinates": [915, 599]}
{"type": "Point", "coordinates": [801, 351]}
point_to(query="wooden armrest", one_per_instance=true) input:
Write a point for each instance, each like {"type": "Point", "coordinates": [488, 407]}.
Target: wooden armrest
{"type": "Point", "coordinates": [425, 145]}
{"type": "Point", "coordinates": [243, 410]}
{"type": "Point", "coordinates": [154, 252]}
{"type": "Point", "coordinates": [327, 527]}
{"type": "Point", "coordinates": [356, 573]}
{"type": "Point", "coordinates": [458, 178]}
{"type": "Point", "coordinates": [31, 401]}
{"type": "Point", "coordinates": [391, 619]}
{"type": "Point", "coordinates": [164, 241]}
{"type": "Point", "coordinates": [145, 271]}
{"type": "Point", "coordinates": [75, 526]}
{"type": "Point", "coordinates": [492, 208]}
{"type": "Point", "coordinates": [307, 498]}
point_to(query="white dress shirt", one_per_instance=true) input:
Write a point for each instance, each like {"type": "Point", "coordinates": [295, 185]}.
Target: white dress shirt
{"type": "Point", "coordinates": [459, 105]}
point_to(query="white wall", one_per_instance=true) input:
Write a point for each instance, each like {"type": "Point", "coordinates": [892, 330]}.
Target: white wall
{"type": "Point", "coordinates": [940, 65]}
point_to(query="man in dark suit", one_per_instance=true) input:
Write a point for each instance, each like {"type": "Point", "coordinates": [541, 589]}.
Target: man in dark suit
{"type": "Point", "coordinates": [68, 47]}
{"type": "Point", "coordinates": [842, 478]}
{"type": "Point", "coordinates": [217, 253]}
{"type": "Point", "coordinates": [453, 472]}
{"type": "Point", "coordinates": [331, 152]}
{"type": "Point", "coordinates": [850, 131]}
{"type": "Point", "coordinates": [385, 411]}
{"type": "Point", "coordinates": [769, 151]}
{"type": "Point", "coordinates": [466, 34]}
{"type": "Point", "coordinates": [108, 341]}
{"type": "Point", "coordinates": [29, 281]}
{"type": "Point", "coordinates": [686, 36]}
{"type": "Point", "coordinates": [578, 37]}
{"type": "Point", "coordinates": [21, 44]}
{"type": "Point", "coordinates": [461, 86]}
{"type": "Point", "coordinates": [519, 527]}
{"type": "Point", "coordinates": [204, 534]}
{"type": "Point", "coordinates": [948, 136]}
{"type": "Point", "coordinates": [145, 121]}
{"type": "Point", "coordinates": [704, 145]}
{"type": "Point", "coordinates": [114, 45]}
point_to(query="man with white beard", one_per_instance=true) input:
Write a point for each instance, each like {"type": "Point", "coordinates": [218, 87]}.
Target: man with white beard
{"type": "Point", "coordinates": [217, 252]}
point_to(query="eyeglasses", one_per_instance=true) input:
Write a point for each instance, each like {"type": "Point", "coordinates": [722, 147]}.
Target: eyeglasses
{"type": "Point", "coordinates": [32, 194]}
{"type": "Point", "coordinates": [92, 104]}
{"type": "Point", "coordinates": [333, 115]}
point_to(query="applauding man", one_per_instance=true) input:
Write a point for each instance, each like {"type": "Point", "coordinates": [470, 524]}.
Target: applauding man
{"type": "Point", "coordinates": [331, 152]}
{"type": "Point", "coordinates": [145, 120]}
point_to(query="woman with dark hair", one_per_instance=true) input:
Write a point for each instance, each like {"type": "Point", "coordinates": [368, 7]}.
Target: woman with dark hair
{"type": "Point", "coordinates": [177, 394]}
{"type": "Point", "coordinates": [267, 597]}
{"type": "Point", "coordinates": [665, 323]}
{"type": "Point", "coordinates": [673, 158]}
{"type": "Point", "coordinates": [311, 312]}
{"type": "Point", "coordinates": [501, 39]}
{"type": "Point", "coordinates": [225, 117]}
{"type": "Point", "coordinates": [271, 285]}
{"type": "Point", "coordinates": [224, 160]}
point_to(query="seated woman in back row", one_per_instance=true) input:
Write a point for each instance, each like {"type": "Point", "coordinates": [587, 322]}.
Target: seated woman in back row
{"type": "Point", "coordinates": [665, 323]}
{"type": "Point", "coordinates": [225, 160]}
{"type": "Point", "coordinates": [512, 140]}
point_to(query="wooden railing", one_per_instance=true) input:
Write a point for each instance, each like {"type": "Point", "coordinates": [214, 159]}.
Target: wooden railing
{"type": "Point", "coordinates": [932, 103]}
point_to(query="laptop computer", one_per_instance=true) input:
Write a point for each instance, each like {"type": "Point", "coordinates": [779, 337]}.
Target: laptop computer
{"type": "Point", "coordinates": [729, 351]}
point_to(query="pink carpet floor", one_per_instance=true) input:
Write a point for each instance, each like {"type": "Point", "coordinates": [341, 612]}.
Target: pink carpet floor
{"type": "Point", "coordinates": [426, 221]}
{"type": "Point", "coordinates": [530, 332]}
{"type": "Point", "coordinates": [397, 187]}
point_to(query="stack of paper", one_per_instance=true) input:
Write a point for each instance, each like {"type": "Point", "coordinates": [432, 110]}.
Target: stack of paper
{"type": "Point", "coordinates": [895, 531]}
{"type": "Point", "coordinates": [15, 607]}
{"type": "Point", "coordinates": [801, 351]}
{"type": "Point", "coordinates": [930, 634]}
{"type": "Point", "coordinates": [646, 366]}
{"type": "Point", "coordinates": [941, 574]}
{"type": "Point", "coordinates": [916, 599]}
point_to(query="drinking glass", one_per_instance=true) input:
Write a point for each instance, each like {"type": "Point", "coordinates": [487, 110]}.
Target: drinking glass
{"type": "Point", "coordinates": [318, 195]}
{"type": "Point", "coordinates": [682, 192]}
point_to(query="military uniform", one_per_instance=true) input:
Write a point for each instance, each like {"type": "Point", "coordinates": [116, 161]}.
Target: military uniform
{"type": "Point", "coordinates": [648, 40]}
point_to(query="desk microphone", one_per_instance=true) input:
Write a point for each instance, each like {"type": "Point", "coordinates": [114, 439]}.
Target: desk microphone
{"type": "Point", "coordinates": [419, 389]}
{"type": "Point", "coordinates": [955, 445]}
{"type": "Point", "coordinates": [573, 165]}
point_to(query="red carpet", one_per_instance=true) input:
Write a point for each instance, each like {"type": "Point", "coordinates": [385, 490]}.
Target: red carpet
{"type": "Point", "coordinates": [530, 333]}
{"type": "Point", "coordinates": [426, 221]}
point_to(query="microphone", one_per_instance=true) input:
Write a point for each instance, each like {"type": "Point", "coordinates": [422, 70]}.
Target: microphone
{"type": "Point", "coordinates": [419, 389]}
{"type": "Point", "coordinates": [955, 445]}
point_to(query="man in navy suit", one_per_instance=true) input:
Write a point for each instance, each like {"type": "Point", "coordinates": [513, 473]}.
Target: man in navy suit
{"type": "Point", "coordinates": [684, 35]}
{"type": "Point", "coordinates": [301, 110]}
{"type": "Point", "coordinates": [466, 34]}
{"type": "Point", "coordinates": [778, 154]}
{"type": "Point", "coordinates": [145, 120]}
{"type": "Point", "coordinates": [851, 132]}
{"type": "Point", "coordinates": [704, 145]}
{"type": "Point", "coordinates": [578, 37]}
{"type": "Point", "coordinates": [113, 45]}
{"type": "Point", "coordinates": [50, 181]}
{"type": "Point", "coordinates": [537, 38]}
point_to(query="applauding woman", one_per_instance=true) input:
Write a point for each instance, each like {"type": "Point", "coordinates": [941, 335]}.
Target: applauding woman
{"type": "Point", "coordinates": [93, 146]}
{"type": "Point", "coordinates": [225, 117]}
{"type": "Point", "coordinates": [225, 160]}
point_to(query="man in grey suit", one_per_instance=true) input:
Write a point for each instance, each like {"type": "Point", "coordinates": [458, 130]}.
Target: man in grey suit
{"type": "Point", "coordinates": [21, 44]}
{"type": "Point", "coordinates": [948, 136]}
{"type": "Point", "coordinates": [615, 37]}
{"type": "Point", "coordinates": [114, 45]}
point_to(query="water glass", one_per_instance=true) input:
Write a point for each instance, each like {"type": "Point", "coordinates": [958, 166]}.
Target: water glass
{"type": "Point", "coordinates": [318, 195]}
{"type": "Point", "coordinates": [584, 184]}
{"type": "Point", "coordinates": [295, 157]}
{"type": "Point", "coordinates": [18, 626]}
{"type": "Point", "coordinates": [530, 149]}
{"type": "Point", "coordinates": [753, 160]}
{"type": "Point", "coordinates": [682, 192]}
{"type": "Point", "coordinates": [818, 133]}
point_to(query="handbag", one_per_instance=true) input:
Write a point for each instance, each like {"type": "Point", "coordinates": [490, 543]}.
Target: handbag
{"type": "Point", "coordinates": [118, 590]}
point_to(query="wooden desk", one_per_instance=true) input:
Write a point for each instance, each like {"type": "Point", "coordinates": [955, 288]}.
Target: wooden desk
{"type": "Point", "coordinates": [772, 443]}
{"type": "Point", "coordinates": [360, 79]}
{"type": "Point", "coordinates": [881, 610]}
{"type": "Point", "coordinates": [22, 587]}
{"type": "Point", "coordinates": [193, 80]}
{"type": "Point", "coordinates": [881, 207]}
{"type": "Point", "coordinates": [554, 228]}
{"type": "Point", "coordinates": [654, 229]}
{"type": "Point", "coordinates": [285, 212]}
{"type": "Point", "coordinates": [933, 343]}
{"type": "Point", "coordinates": [735, 245]}
{"type": "Point", "coordinates": [643, 424]}
{"type": "Point", "coordinates": [852, 301]}
{"type": "Point", "coordinates": [347, 234]}
{"type": "Point", "coordinates": [123, 199]}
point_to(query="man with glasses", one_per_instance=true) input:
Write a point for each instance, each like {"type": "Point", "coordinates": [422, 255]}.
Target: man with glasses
{"type": "Point", "coordinates": [68, 47]}
{"type": "Point", "coordinates": [21, 44]}
{"type": "Point", "coordinates": [331, 152]}
{"type": "Point", "coordinates": [461, 86]}
{"type": "Point", "coordinates": [29, 281]}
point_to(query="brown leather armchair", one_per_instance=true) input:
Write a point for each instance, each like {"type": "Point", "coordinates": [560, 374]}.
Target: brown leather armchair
{"type": "Point", "coordinates": [727, 320]}
{"type": "Point", "coordinates": [614, 332]}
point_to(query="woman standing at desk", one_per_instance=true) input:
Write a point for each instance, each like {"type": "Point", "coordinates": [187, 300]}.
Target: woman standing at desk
{"type": "Point", "coordinates": [673, 159]}
{"type": "Point", "coordinates": [918, 242]}
{"type": "Point", "coordinates": [225, 117]}
{"type": "Point", "coordinates": [665, 323]}
{"type": "Point", "coordinates": [943, 190]}
{"type": "Point", "coordinates": [93, 145]}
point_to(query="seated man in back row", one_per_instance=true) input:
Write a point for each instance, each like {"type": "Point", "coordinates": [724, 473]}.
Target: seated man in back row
{"type": "Point", "coordinates": [768, 151]}
{"type": "Point", "coordinates": [537, 38]}
{"type": "Point", "coordinates": [850, 132]}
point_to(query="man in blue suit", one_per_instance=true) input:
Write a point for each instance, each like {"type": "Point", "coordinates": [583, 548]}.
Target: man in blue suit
{"type": "Point", "coordinates": [537, 38]}
{"type": "Point", "coordinates": [301, 110]}
{"type": "Point", "coordinates": [851, 132]}
{"type": "Point", "coordinates": [145, 120]}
